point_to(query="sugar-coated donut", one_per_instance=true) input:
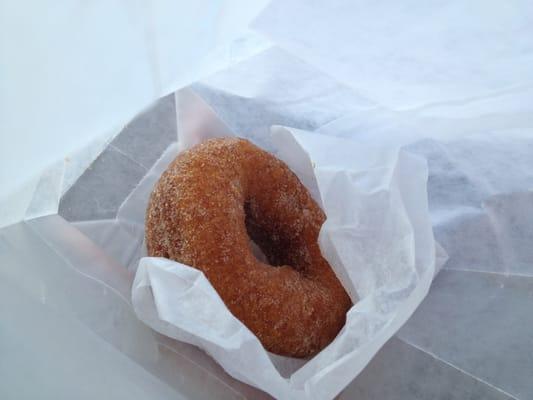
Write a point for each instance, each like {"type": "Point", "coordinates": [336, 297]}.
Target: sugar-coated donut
{"type": "Point", "coordinates": [203, 212]}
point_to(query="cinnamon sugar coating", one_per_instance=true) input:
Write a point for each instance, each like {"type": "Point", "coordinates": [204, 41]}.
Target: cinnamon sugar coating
{"type": "Point", "coordinates": [203, 211]}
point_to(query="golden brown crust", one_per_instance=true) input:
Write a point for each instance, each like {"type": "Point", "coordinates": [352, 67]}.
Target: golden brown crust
{"type": "Point", "coordinates": [203, 211]}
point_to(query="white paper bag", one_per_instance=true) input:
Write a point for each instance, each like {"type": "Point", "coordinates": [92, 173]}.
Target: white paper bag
{"type": "Point", "coordinates": [408, 54]}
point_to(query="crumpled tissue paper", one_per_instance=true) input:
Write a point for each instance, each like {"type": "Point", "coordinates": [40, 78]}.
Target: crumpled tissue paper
{"type": "Point", "coordinates": [377, 237]}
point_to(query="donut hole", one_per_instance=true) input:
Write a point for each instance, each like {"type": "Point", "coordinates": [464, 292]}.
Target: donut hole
{"type": "Point", "coordinates": [262, 248]}
{"type": "Point", "coordinates": [264, 244]}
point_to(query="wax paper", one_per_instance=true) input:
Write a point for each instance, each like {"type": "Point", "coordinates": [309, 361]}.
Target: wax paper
{"type": "Point", "coordinates": [407, 54]}
{"type": "Point", "coordinates": [461, 69]}
{"type": "Point", "coordinates": [74, 71]}
{"type": "Point", "coordinates": [377, 237]}
{"type": "Point", "coordinates": [479, 156]}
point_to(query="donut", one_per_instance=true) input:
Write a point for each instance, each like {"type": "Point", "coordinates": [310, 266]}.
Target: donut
{"type": "Point", "coordinates": [208, 208]}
